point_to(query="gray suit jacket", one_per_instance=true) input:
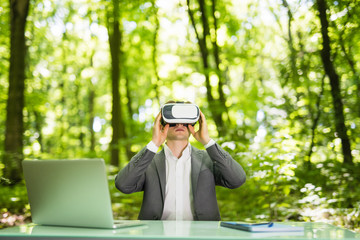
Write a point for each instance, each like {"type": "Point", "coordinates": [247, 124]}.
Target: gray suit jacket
{"type": "Point", "coordinates": [146, 172]}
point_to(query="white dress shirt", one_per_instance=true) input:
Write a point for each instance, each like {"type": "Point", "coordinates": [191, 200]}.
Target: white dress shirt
{"type": "Point", "coordinates": [178, 203]}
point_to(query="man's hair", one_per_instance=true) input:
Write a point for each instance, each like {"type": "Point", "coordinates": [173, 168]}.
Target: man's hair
{"type": "Point", "coordinates": [173, 101]}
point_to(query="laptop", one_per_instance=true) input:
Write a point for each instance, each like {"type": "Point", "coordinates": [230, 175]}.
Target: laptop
{"type": "Point", "coordinates": [70, 193]}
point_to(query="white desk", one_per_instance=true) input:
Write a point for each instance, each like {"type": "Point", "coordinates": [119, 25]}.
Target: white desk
{"type": "Point", "coordinates": [173, 230]}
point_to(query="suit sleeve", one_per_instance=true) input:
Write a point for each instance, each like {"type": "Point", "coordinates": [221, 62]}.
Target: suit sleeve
{"type": "Point", "coordinates": [227, 171]}
{"type": "Point", "coordinates": [132, 177]}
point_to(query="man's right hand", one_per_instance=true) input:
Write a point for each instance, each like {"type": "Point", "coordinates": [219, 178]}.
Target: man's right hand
{"type": "Point", "coordinates": [159, 131]}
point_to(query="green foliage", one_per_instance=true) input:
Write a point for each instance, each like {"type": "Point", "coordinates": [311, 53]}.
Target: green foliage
{"type": "Point", "coordinates": [279, 188]}
{"type": "Point", "coordinates": [4, 65]}
{"type": "Point", "coordinates": [14, 204]}
{"type": "Point", "coordinates": [280, 121]}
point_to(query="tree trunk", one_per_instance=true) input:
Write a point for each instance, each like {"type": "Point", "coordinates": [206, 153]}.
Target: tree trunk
{"type": "Point", "coordinates": [39, 122]}
{"type": "Point", "coordinates": [293, 53]}
{"type": "Point", "coordinates": [154, 54]}
{"type": "Point", "coordinates": [117, 122]}
{"type": "Point", "coordinates": [15, 103]}
{"type": "Point", "coordinates": [315, 119]}
{"type": "Point", "coordinates": [335, 84]}
{"type": "Point", "coordinates": [219, 73]}
{"type": "Point", "coordinates": [91, 107]}
{"type": "Point", "coordinates": [349, 58]}
{"type": "Point", "coordinates": [92, 117]}
{"type": "Point", "coordinates": [115, 78]}
{"type": "Point", "coordinates": [215, 107]}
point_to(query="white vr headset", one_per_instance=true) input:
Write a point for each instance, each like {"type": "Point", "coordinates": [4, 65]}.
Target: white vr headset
{"type": "Point", "coordinates": [173, 113]}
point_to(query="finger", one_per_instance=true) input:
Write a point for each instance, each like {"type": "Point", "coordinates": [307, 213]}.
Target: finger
{"type": "Point", "coordinates": [158, 117]}
{"type": "Point", "coordinates": [158, 121]}
{"type": "Point", "coordinates": [191, 129]}
{"type": "Point", "coordinates": [202, 117]}
{"type": "Point", "coordinates": [166, 129]}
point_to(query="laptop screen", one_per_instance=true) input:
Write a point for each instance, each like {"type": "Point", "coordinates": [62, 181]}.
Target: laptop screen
{"type": "Point", "coordinates": [69, 192]}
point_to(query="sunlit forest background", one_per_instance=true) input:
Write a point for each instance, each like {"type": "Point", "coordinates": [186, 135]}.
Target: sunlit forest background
{"type": "Point", "coordinates": [278, 80]}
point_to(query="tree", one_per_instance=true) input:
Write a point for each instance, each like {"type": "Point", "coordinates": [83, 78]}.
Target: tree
{"type": "Point", "coordinates": [218, 105]}
{"type": "Point", "coordinates": [15, 103]}
{"type": "Point", "coordinates": [154, 52]}
{"type": "Point", "coordinates": [335, 84]}
{"type": "Point", "coordinates": [117, 123]}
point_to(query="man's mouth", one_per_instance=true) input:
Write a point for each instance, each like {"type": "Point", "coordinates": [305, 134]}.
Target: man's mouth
{"type": "Point", "coordinates": [179, 129]}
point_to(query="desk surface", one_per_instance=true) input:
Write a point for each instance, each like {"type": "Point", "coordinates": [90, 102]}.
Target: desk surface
{"type": "Point", "coordinates": [174, 230]}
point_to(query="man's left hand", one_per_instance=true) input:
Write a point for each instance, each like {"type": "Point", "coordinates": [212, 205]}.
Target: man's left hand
{"type": "Point", "coordinates": [202, 135]}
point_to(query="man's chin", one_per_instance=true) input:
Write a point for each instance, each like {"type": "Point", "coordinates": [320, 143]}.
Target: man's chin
{"type": "Point", "coordinates": [179, 137]}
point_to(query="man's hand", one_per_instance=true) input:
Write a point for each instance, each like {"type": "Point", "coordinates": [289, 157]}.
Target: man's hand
{"type": "Point", "coordinates": [202, 135]}
{"type": "Point", "coordinates": [159, 132]}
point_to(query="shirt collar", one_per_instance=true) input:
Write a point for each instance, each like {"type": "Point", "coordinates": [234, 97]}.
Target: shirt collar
{"type": "Point", "coordinates": [185, 154]}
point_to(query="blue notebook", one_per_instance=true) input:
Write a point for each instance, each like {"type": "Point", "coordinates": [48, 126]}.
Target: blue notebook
{"type": "Point", "coordinates": [262, 227]}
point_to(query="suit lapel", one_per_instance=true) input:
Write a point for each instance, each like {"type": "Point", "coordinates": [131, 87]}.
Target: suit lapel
{"type": "Point", "coordinates": [196, 156]}
{"type": "Point", "coordinates": [160, 168]}
{"type": "Point", "coordinates": [195, 168]}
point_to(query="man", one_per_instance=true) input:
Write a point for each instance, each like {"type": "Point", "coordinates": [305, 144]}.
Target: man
{"type": "Point", "coordinates": [179, 181]}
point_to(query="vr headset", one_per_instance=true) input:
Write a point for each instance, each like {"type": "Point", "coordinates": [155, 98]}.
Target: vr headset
{"type": "Point", "coordinates": [173, 113]}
